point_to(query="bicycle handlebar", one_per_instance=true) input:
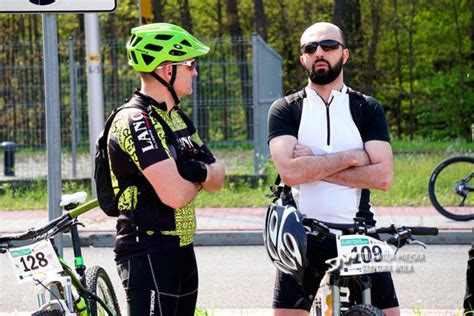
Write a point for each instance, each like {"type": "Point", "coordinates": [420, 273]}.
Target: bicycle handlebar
{"type": "Point", "coordinates": [60, 222]}
{"type": "Point", "coordinates": [429, 231]}
{"type": "Point", "coordinates": [33, 233]}
{"type": "Point", "coordinates": [358, 227]}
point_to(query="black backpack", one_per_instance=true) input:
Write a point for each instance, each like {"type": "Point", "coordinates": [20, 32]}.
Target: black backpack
{"type": "Point", "coordinates": [108, 201]}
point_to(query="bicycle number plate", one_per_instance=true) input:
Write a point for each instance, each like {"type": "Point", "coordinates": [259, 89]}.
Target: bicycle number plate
{"type": "Point", "coordinates": [35, 261]}
{"type": "Point", "coordinates": [363, 254]}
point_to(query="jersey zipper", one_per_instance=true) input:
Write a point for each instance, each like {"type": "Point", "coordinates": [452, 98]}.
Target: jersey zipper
{"type": "Point", "coordinates": [328, 120]}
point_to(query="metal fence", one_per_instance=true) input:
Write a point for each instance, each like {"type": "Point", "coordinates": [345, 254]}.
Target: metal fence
{"type": "Point", "coordinates": [237, 82]}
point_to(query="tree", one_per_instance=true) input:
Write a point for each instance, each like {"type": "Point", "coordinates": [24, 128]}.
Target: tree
{"type": "Point", "coordinates": [398, 70]}
{"type": "Point", "coordinates": [370, 73]}
{"type": "Point", "coordinates": [347, 16]}
{"type": "Point", "coordinates": [158, 7]}
{"type": "Point", "coordinates": [186, 21]}
{"type": "Point", "coordinates": [465, 116]}
{"type": "Point", "coordinates": [240, 49]}
{"type": "Point", "coordinates": [260, 19]}
{"type": "Point", "coordinates": [411, 64]}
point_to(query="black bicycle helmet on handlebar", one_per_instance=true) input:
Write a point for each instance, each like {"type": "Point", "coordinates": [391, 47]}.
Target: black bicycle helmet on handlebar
{"type": "Point", "coordinates": [285, 239]}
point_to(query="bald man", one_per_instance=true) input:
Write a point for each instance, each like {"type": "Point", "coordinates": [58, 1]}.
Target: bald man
{"type": "Point", "coordinates": [330, 144]}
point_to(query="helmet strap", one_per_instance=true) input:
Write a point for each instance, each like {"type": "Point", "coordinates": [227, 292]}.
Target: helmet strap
{"type": "Point", "coordinates": [169, 85]}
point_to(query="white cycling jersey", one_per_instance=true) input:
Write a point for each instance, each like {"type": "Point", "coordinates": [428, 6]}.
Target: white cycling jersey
{"type": "Point", "coordinates": [327, 129]}
{"type": "Point", "coordinates": [346, 122]}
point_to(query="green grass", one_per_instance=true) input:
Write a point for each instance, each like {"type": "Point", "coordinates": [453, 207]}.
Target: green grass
{"type": "Point", "coordinates": [418, 145]}
{"type": "Point", "coordinates": [412, 171]}
{"type": "Point", "coordinates": [32, 197]}
{"type": "Point", "coordinates": [409, 188]}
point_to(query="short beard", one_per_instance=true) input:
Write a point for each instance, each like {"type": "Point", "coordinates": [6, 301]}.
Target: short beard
{"type": "Point", "coordinates": [322, 77]}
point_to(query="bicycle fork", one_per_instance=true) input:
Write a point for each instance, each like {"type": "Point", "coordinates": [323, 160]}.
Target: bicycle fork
{"type": "Point", "coordinates": [335, 284]}
{"type": "Point", "coordinates": [61, 283]}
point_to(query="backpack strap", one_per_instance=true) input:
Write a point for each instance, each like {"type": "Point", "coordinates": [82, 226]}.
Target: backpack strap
{"type": "Point", "coordinates": [102, 141]}
{"type": "Point", "coordinates": [187, 121]}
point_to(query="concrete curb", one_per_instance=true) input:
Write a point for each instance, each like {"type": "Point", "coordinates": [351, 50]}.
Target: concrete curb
{"type": "Point", "coordinates": [254, 237]}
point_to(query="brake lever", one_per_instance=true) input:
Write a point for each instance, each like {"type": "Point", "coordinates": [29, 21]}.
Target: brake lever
{"type": "Point", "coordinates": [412, 241]}
{"type": "Point", "coordinates": [77, 223]}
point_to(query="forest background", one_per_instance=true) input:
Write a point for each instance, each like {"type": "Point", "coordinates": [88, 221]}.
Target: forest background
{"type": "Point", "coordinates": [415, 56]}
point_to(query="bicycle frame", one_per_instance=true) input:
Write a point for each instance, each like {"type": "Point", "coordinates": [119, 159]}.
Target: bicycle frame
{"type": "Point", "coordinates": [67, 279]}
{"type": "Point", "coordinates": [334, 280]}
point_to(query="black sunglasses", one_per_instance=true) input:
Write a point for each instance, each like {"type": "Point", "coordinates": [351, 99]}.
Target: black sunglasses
{"type": "Point", "coordinates": [326, 45]}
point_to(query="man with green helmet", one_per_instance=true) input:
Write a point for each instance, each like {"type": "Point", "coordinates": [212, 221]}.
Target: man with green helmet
{"type": "Point", "coordinates": [158, 164]}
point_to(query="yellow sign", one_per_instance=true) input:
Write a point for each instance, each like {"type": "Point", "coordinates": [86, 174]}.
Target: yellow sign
{"type": "Point", "coordinates": [147, 15]}
{"type": "Point", "coordinates": [93, 58]}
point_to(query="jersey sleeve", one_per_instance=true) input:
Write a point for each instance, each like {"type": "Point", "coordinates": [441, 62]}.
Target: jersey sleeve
{"type": "Point", "coordinates": [375, 127]}
{"type": "Point", "coordinates": [140, 137]}
{"type": "Point", "coordinates": [282, 120]}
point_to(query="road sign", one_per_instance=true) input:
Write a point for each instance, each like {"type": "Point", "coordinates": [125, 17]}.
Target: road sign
{"type": "Point", "coordinates": [52, 6]}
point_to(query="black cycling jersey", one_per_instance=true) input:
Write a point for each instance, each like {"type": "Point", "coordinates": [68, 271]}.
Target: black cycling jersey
{"type": "Point", "coordinates": [137, 141]}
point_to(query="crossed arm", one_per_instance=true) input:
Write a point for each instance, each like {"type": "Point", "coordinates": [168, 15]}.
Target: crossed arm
{"type": "Point", "coordinates": [176, 191]}
{"type": "Point", "coordinates": [371, 167]}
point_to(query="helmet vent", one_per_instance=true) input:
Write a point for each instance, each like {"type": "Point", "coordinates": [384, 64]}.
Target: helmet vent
{"type": "Point", "coordinates": [163, 37]}
{"type": "Point", "coordinates": [147, 59]}
{"type": "Point", "coordinates": [132, 54]}
{"type": "Point", "coordinates": [154, 48]}
{"type": "Point", "coordinates": [186, 43]}
{"type": "Point", "coordinates": [175, 52]}
{"type": "Point", "coordinates": [132, 39]}
{"type": "Point", "coordinates": [137, 40]}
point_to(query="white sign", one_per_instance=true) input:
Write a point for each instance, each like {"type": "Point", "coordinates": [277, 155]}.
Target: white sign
{"type": "Point", "coordinates": [363, 254]}
{"type": "Point", "coordinates": [52, 6]}
{"type": "Point", "coordinates": [35, 261]}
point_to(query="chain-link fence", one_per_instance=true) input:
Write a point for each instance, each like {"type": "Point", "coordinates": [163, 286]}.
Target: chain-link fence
{"type": "Point", "coordinates": [222, 105]}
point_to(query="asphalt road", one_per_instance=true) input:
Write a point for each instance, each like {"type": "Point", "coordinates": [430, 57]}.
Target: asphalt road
{"type": "Point", "coordinates": [242, 277]}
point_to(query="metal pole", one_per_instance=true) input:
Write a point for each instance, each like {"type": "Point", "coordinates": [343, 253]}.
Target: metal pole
{"type": "Point", "coordinates": [72, 96]}
{"type": "Point", "coordinates": [53, 121]}
{"type": "Point", "coordinates": [139, 12]}
{"type": "Point", "coordinates": [255, 94]}
{"type": "Point", "coordinates": [94, 84]}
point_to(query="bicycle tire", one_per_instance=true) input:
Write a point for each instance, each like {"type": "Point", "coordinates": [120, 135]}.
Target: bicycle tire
{"type": "Point", "coordinates": [52, 312]}
{"type": "Point", "coordinates": [438, 199]}
{"type": "Point", "coordinates": [98, 282]}
{"type": "Point", "coordinates": [363, 310]}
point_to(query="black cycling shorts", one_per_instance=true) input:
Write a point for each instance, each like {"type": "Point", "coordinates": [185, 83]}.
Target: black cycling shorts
{"type": "Point", "coordinates": [289, 294]}
{"type": "Point", "coordinates": [164, 283]}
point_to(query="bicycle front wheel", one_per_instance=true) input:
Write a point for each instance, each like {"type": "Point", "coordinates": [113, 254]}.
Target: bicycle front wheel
{"type": "Point", "coordinates": [364, 310]}
{"type": "Point", "coordinates": [450, 188]}
{"type": "Point", "coordinates": [98, 282]}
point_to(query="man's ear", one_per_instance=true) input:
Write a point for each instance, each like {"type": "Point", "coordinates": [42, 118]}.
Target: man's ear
{"type": "Point", "coordinates": [165, 72]}
{"type": "Point", "coordinates": [345, 56]}
{"type": "Point", "coordinates": [302, 60]}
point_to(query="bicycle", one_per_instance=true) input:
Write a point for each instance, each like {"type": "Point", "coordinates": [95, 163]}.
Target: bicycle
{"type": "Point", "coordinates": [357, 255]}
{"type": "Point", "coordinates": [450, 187]}
{"type": "Point", "coordinates": [83, 292]}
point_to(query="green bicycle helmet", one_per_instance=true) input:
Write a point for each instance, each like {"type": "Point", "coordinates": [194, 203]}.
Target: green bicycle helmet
{"type": "Point", "coordinates": [152, 44]}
